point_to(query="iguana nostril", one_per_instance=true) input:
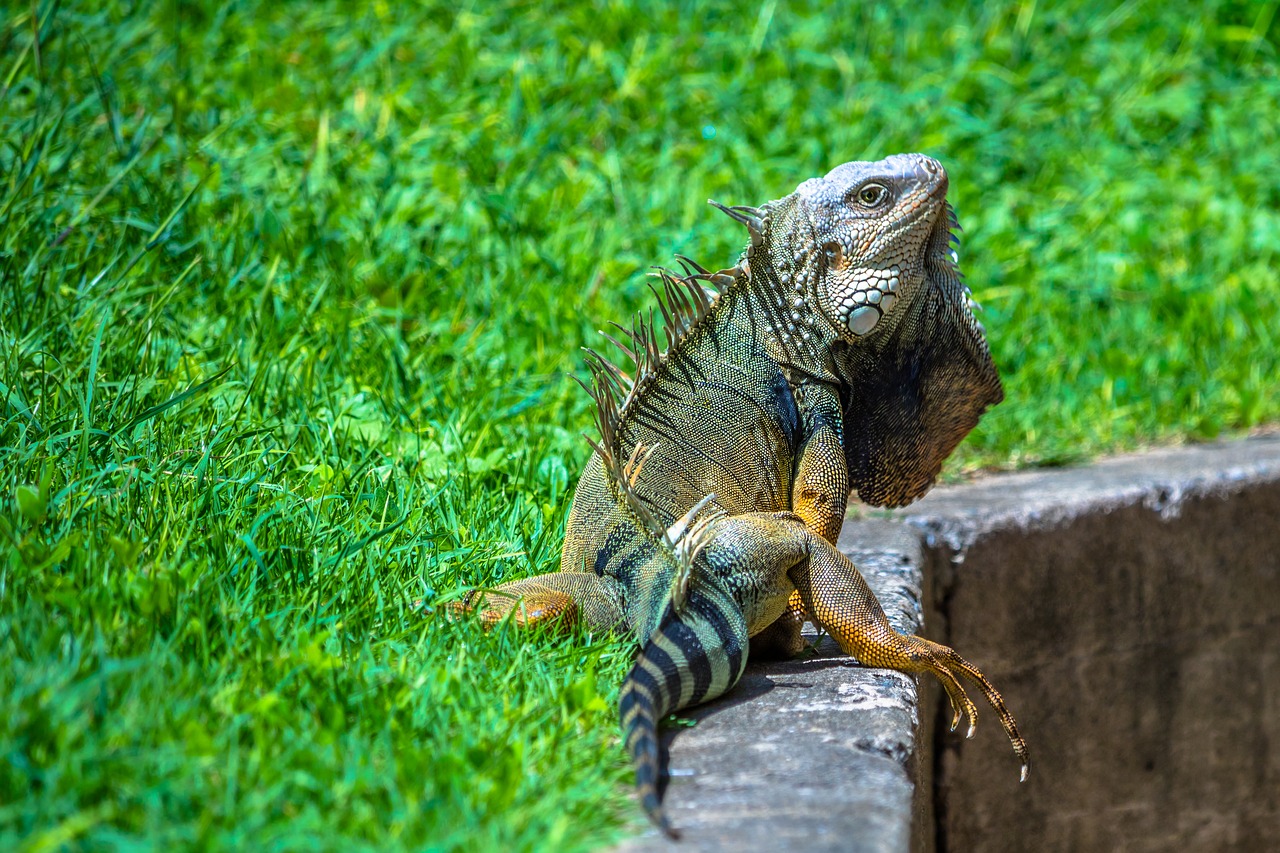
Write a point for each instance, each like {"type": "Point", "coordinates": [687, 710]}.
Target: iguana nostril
{"type": "Point", "coordinates": [931, 171]}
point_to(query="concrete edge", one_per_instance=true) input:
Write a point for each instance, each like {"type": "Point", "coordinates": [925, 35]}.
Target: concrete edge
{"type": "Point", "coordinates": [825, 754]}
{"type": "Point", "coordinates": [1042, 499]}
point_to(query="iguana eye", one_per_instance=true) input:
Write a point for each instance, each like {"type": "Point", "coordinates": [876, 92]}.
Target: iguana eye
{"type": "Point", "coordinates": [872, 195]}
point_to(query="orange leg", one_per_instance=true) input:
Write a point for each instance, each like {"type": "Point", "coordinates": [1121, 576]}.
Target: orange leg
{"type": "Point", "coordinates": [841, 602]}
{"type": "Point", "coordinates": [562, 599]}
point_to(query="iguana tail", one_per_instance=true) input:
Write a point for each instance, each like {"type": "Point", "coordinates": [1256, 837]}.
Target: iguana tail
{"type": "Point", "coordinates": [699, 646]}
{"type": "Point", "coordinates": [697, 653]}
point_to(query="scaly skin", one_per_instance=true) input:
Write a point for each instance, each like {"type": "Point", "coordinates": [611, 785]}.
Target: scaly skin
{"type": "Point", "coordinates": [841, 355]}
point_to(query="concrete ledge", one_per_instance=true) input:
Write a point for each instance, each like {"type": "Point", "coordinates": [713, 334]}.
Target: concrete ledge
{"type": "Point", "coordinates": [1130, 613]}
{"type": "Point", "coordinates": [817, 752]}
{"type": "Point", "coordinates": [1160, 480]}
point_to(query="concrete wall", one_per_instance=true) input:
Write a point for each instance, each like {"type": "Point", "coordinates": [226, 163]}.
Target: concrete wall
{"type": "Point", "coordinates": [1130, 614]}
{"type": "Point", "coordinates": [1129, 611]}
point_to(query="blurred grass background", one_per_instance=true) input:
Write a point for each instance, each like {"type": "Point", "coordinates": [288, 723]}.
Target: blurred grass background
{"type": "Point", "coordinates": [289, 293]}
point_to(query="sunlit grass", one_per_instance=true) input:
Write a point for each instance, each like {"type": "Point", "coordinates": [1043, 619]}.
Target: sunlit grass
{"type": "Point", "coordinates": [289, 293]}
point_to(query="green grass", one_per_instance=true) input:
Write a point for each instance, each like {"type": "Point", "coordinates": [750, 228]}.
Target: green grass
{"type": "Point", "coordinates": [289, 293]}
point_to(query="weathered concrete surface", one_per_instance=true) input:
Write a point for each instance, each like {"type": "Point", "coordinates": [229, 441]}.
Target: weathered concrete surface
{"type": "Point", "coordinates": [1050, 497]}
{"type": "Point", "coordinates": [1130, 613]}
{"type": "Point", "coordinates": [815, 753]}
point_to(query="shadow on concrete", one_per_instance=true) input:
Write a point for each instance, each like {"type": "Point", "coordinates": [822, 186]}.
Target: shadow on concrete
{"type": "Point", "coordinates": [761, 678]}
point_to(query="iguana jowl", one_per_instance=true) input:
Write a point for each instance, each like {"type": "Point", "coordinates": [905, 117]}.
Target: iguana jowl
{"type": "Point", "coordinates": [840, 355]}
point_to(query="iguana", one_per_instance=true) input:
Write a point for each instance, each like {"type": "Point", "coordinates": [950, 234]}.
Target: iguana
{"type": "Point", "coordinates": [840, 354]}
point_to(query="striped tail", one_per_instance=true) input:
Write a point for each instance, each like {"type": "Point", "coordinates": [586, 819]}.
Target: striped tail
{"type": "Point", "coordinates": [697, 653]}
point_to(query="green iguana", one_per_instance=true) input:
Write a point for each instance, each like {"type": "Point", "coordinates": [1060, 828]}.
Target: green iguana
{"type": "Point", "coordinates": [841, 354]}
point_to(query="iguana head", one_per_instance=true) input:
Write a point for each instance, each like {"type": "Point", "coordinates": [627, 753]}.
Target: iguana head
{"type": "Point", "coordinates": [867, 251]}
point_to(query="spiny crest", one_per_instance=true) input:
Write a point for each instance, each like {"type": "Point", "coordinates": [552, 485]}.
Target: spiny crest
{"type": "Point", "coordinates": [753, 217]}
{"type": "Point", "coordinates": [951, 263]}
{"type": "Point", "coordinates": [683, 301]}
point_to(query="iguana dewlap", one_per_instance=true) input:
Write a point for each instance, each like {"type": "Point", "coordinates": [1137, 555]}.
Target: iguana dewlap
{"type": "Point", "coordinates": [841, 354]}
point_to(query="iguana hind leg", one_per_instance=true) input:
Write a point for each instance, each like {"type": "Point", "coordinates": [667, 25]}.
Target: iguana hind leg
{"type": "Point", "coordinates": [782, 639]}
{"type": "Point", "coordinates": [557, 598]}
{"type": "Point", "coordinates": [753, 548]}
{"type": "Point", "coordinates": [837, 595]}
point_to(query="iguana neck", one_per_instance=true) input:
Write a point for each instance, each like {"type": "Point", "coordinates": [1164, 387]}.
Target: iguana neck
{"type": "Point", "coordinates": [779, 302]}
{"type": "Point", "coordinates": [777, 294]}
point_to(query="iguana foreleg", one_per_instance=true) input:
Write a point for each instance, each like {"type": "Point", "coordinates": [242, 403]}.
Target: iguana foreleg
{"type": "Point", "coordinates": [819, 495]}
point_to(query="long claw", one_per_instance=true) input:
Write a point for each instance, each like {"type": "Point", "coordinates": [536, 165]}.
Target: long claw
{"type": "Point", "coordinates": [944, 663]}
{"type": "Point", "coordinates": [972, 711]}
{"type": "Point", "coordinates": [956, 714]}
